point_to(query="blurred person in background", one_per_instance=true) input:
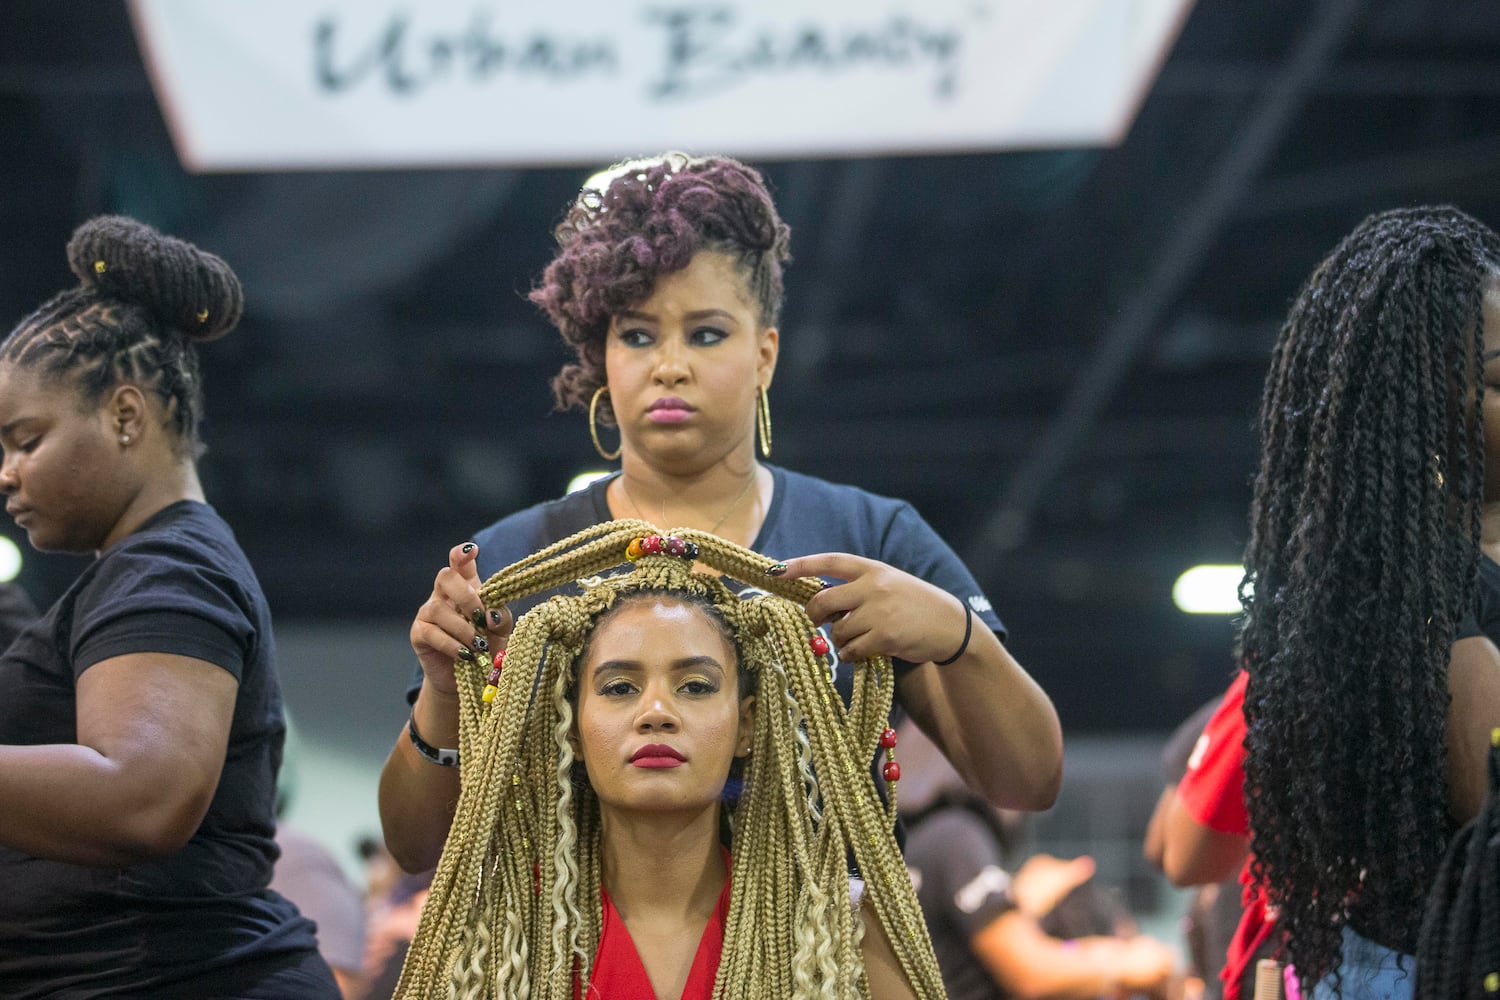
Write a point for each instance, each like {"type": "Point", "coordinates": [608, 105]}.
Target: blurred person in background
{"type": "Point", "coordinates": [309, 874]}
{"type": "Point", "coordinates": [1200, 855]}
{"type": "Point", "coordinates": [1004, 936]}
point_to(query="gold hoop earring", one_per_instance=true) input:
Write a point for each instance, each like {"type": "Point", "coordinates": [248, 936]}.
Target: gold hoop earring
{"type": "Point", "coordinates": [763, 421]}
{"type": "Point", "coordinates": [594, 427]}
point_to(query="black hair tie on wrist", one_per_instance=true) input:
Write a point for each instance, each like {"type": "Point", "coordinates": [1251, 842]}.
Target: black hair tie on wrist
{"type": "Point", "coordinates": [968, 631]}
{"type": "Point", "coordinates": [441, 756]}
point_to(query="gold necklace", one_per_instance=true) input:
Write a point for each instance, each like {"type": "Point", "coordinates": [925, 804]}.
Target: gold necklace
{"type": "Point", "coordinates": [663, 523]}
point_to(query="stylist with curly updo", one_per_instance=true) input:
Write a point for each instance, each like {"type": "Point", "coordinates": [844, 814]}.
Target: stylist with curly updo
{"type": "Point", "coordinates": [667, 287]}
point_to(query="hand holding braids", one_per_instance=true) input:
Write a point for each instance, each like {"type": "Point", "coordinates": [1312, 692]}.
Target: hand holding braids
{"type": "Point", "coordinates": [515, 905]}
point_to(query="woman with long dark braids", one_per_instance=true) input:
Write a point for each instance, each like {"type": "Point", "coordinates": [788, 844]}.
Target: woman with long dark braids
{"type": "Point", "coordinates": [1372, 686]}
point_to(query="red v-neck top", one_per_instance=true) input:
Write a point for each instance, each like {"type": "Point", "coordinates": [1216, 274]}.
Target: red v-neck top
{"type": "Point", "coordinates": [619, 975]}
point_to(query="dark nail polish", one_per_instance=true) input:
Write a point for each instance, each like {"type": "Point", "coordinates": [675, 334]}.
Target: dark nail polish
{"type": "Point", "coordinates": [477, 616]}
{"type": "Point", "coordinates": [776, 570]}
{"type": "Point", "coordinates": [468, 547]}
{"type": "Point", "coordinates": [496, 618]}
{"type": "Point", "coordinates": [482, 644]}
{"type": "Point", "coordinates": [464, 653]}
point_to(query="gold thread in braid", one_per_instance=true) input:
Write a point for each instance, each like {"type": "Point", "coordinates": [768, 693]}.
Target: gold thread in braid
{"type": "Point", "coordinates": [788, 875]}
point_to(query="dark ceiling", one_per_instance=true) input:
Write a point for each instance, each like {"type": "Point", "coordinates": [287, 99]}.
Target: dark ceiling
{"type": "Point", "coordinates": [1056, 355]}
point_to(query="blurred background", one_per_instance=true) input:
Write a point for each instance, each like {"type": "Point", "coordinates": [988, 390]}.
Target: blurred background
{"type": "Point", "coordinates": [1054, 352]}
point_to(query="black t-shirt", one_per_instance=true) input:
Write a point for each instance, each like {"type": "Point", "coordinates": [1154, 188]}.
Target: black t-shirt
{"type": "Point", "coordinates": [955, 862]}
{"type": "Point", "coordinates": [806, 516]}
{"type": "Point", "coordinates": [161, 928]}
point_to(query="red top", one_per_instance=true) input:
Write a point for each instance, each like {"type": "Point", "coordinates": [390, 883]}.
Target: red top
{"type": "Point", "coordinates": [1213, 791]}
{"type": "Point", "coordinates": [619, 975]}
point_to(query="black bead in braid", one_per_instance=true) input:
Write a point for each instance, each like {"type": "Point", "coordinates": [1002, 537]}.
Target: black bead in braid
{"type": "Point", "coordinates": [143, 300]}
{"type": "Point", "coordinates": [1362, 559]}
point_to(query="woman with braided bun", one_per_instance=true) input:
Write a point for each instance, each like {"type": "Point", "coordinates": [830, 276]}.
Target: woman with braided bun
{"type": "Point", "coordinates": [141, 727]}
{"type": "Point", "coordinates": [1370, 635]}
{"type": "Point", "coordinates": [661, 786]}
{"type": "Point", "coordinates": [667, 286]}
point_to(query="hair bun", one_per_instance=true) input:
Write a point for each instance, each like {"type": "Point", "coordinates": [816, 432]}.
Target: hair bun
{"type": "Point", "coordinates": [186, 288]}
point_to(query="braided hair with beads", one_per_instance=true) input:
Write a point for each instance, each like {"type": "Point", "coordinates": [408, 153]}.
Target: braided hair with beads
{"type": "Point", "coordinates": [1361, 562]}
{"type": "Point", "coordinates": [143, 300]}
{"type": "Point", "coordinates": [515, 907]}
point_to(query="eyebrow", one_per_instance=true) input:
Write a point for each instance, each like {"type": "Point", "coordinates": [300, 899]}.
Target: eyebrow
{"type": "Point", "coordinates": [696, 314]}
{"type": "Point", "coordinates": [8, 429]}
{"type": "Point", "coordinates": [634, 666]}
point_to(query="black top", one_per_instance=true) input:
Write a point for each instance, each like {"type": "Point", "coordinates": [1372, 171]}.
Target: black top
{"type": "Point", "coordinates": [178, 585]}
{"type": "Point", "coordinates": [955, 863]}
{"type": "Point", "coordinates": [806, 516]}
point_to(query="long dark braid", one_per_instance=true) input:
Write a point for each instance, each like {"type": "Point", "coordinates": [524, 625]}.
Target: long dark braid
{"type": "Point", "coordinates": [1458, 954]}
{"type": "Point", "coordinates": [1363, 553]}
{"type": "Point", "coordinates": [142, 300]}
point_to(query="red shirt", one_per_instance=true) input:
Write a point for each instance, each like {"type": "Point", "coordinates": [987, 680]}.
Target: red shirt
{"type": "Point", "coordinates": [619, 975]}
{"type": "Point", "coordinates": [1213, 791]}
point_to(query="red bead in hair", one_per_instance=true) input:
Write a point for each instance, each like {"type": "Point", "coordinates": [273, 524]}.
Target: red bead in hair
{"type": "Point", "coordinates": [819, 645]}
{"type": "Point", "coordinates": [891, 771]}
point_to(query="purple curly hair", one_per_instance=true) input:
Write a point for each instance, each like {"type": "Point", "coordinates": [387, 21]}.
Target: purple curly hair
{"type": "Point", "coordinates": [653, 217]}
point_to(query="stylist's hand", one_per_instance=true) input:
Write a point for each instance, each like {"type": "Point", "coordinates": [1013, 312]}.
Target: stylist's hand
{"type": "Point", "coordinates": [454, 624]}
{"type": "Point", "coordinates": [881, 611]}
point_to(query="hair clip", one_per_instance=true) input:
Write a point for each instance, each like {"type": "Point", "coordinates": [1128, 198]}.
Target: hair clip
{"type": "Point", "coordinates": [203, 315]}
{"type": "Point", "coordinates": [99, 267]}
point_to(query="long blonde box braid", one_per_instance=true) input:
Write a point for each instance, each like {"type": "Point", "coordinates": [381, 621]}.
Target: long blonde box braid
{"type": "Point", "coordinates": [515, 907]}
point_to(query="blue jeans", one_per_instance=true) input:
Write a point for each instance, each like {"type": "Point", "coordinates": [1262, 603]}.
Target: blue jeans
{"type": "Point", "coordinates": [1369, 972]}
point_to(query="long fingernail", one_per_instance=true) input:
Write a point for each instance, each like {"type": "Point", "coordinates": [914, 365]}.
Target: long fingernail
{"type": "Point", "coordinates": [465, 653]}
{"type": "Point", "coordinates": [482, 644]}
{"type": "Point", "coordinates": [477, 616]}
{"type": "Point", "coordinates": [468, 547]}
{"type": "Point", "coordinates": [776, 570]}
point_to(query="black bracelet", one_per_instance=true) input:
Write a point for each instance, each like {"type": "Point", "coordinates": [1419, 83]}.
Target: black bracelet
{"type": "Point", "coordinates": [968, 631]}
{"type": "Point", "coordinates": [438, 755]}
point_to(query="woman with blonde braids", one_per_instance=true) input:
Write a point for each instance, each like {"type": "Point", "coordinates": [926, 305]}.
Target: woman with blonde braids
{"type": "Point", "coordinates": [629, 741]}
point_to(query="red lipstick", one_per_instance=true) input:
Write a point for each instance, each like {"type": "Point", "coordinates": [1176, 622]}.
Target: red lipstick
{"type": "Point", "coordinates": [656, 755]}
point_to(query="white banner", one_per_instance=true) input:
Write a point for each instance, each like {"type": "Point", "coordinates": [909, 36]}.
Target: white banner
{"type": "Point", "coordinates": [292, 84]}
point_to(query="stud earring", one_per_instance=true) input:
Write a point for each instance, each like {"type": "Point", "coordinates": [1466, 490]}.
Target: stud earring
{"type": "Point", "coordinates": [124, 439]}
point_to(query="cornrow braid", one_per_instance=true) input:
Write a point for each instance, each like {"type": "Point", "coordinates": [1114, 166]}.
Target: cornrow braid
{"type": "Point", "coordinates": [515, 906]}
{"type": "Point", "coordinates": [1362, 560]}
{"type": "Point", "coordinates": [142, 302]}
{"type": "Point", "coordinates": [1458, 952]}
